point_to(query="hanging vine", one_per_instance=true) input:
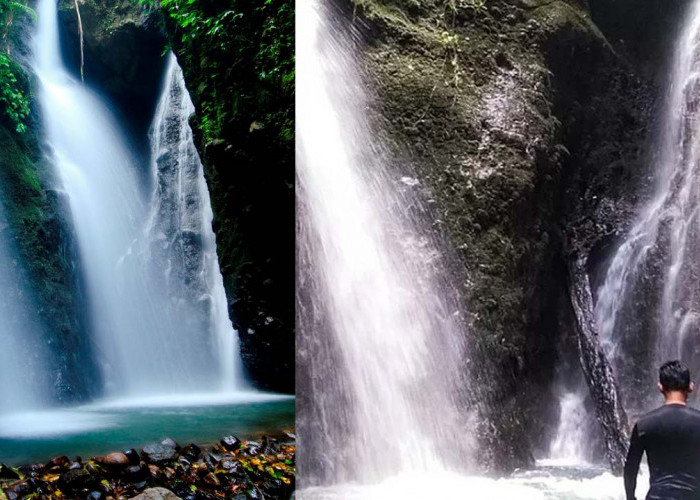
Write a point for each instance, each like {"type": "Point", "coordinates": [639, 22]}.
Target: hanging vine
{"type": "Point", "coordinates": [82, 52]}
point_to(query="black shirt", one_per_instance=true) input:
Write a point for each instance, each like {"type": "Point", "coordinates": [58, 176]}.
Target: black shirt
{"type": "Point", "coordinates": [670, 436]}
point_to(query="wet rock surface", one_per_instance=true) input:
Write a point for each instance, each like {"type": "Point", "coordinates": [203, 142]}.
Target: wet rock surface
{"type": "Point", "coordinates": [164, 471]}
{"type": "Point", "coordinates": [122, 47]}
{"type": "Point", "coordinates": [496, 111]}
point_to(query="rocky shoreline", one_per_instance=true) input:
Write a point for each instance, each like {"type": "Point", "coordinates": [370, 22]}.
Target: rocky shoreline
{"type": "Point", "coordinates": [231, 468]}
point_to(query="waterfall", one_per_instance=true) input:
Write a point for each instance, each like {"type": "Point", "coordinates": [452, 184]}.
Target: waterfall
{"type": "Point", "coordinates": [155, 293]}
{"type": "Point", "coordinates": [23, 373]}
{"type": "Point", "coordinates": [179, 229]}
{"type": "Point", "coordinates": [570, 444]}
{"type": "Point", "coordinates": [648, 307]}
{"type": "Point", "coordinates": [381, 348]}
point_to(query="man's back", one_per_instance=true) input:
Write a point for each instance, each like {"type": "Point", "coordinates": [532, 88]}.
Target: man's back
{"type": "Point", "coordinates": [670, 436]}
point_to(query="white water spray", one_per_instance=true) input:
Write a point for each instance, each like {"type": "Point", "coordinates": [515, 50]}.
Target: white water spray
{"type": "Point", "coordinates": [179, 228]}
{"type": "Point", "coordinates": [24, 381]}
{"type": "Point", "coordinates": [571, 443]}
{"type": "Point", "coordinates": [151, 336]}
{"type": "Point", "coordinates": [381, 348]}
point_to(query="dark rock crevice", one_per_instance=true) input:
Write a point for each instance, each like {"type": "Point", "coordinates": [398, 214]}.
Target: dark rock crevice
{"type": "Point", "coordinates": [123, 57]}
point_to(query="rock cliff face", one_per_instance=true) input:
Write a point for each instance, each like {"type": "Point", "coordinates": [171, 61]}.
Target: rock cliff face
{"type": "Point", "coordinates": [122, 56]}
{"type": "Point", "coordinates": [528, 130]}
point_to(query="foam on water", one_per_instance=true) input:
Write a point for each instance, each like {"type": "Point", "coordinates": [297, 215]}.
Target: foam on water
{"type": "Point", "coordinates": [196, 399]}
{"type": "Point", "coordinates": [40, 424]}
{"type": "Point", "coordinates": [532, 485]}
{"type": "Point", "coordinates": [102, 414]}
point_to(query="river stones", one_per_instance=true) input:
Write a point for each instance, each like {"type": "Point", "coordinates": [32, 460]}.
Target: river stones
{"type": "Point", "coordinates": [212, 480]}
{"type": "Point", "coordinates": [157, 494]}
{"type": "Point", "coordinates": [115, 460]}
{"type": "Point", "coordinates": [58, 462]}
{"type": "Point", "coordinates": [77, 464]}
{"type": "Point", "coordinates": [215, 474]}
{"type": "Point", "coordinates": [169, 442]}
{"type": "Point", "coordinates": [251, 449]}
{"type": "Point", "coordinates": [231, 443]}
{"type": "Point", "coordinates": [133, 456]}
{"type": "Point", "coordinates": [191, 452]}
{"type": "Point", "coordinates": [136, 473]}
{"type": "Point", "coordinates": [77, 479]}
{"type": "Point", "coordinates": [159, 454]}
{"type": "Point", "coordinates": [7, 473]}
{"type": "Point", "coordinates": [270, 446]}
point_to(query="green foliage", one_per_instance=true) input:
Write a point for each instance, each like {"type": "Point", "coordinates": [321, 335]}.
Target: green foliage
{"type": "Point", "coordinates": [242, 40]}
{"type": "Point", "coordinates": [8, 10]}
{"type": "Point", "coordinates": [15, 101]}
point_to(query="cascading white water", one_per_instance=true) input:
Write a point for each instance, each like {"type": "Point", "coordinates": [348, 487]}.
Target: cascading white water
{"type": "Point", "coordinates": [655, 273]}
{"type": "Point", "coordinates": [381, 349]}
{"type": "Point", "coordinates": [570, 444]}
{"type": "Point", "coordinates": [23, 373]}
{"type": "Point", "coordinates": [155, 292]}
{"type": "Point", "coordinates": [179, 229]}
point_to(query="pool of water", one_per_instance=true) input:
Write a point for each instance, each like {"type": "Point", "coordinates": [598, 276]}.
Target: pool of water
{"type": "Point", "coordinates": [110, 425]}
{"type": "Point", "coordinates": [548, 481]}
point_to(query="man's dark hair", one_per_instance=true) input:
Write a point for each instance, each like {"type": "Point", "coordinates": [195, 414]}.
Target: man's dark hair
{"type": "Point", "coordinates": [674, 376]}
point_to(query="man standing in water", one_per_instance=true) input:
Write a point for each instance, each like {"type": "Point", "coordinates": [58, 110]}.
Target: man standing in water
{"type": "Point", "coordinates": [670, 436]}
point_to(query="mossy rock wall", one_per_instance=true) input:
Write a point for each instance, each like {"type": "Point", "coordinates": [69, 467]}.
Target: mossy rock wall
{"type": "Point", "coordinates": [528, 132]}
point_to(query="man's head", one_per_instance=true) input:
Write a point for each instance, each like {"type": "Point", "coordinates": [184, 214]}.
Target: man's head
{"type": "Point", "coordinates": [674, 380]}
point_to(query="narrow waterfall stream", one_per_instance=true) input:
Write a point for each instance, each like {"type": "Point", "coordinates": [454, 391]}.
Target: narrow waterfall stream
{"type": "Point", "coordinates": [179, 231]}
{"type": "Point", "coordinates": [156, 297]}
{"type": "Point", "coordinates": [570, 444]}
{"type": "Point", "coordinates": [648, 308]}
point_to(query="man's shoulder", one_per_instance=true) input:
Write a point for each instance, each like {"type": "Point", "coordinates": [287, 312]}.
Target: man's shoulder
{"type": "Point", "coordinates": [650, 415]}
{"type": "Point", "coordinates": [665, 410]}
